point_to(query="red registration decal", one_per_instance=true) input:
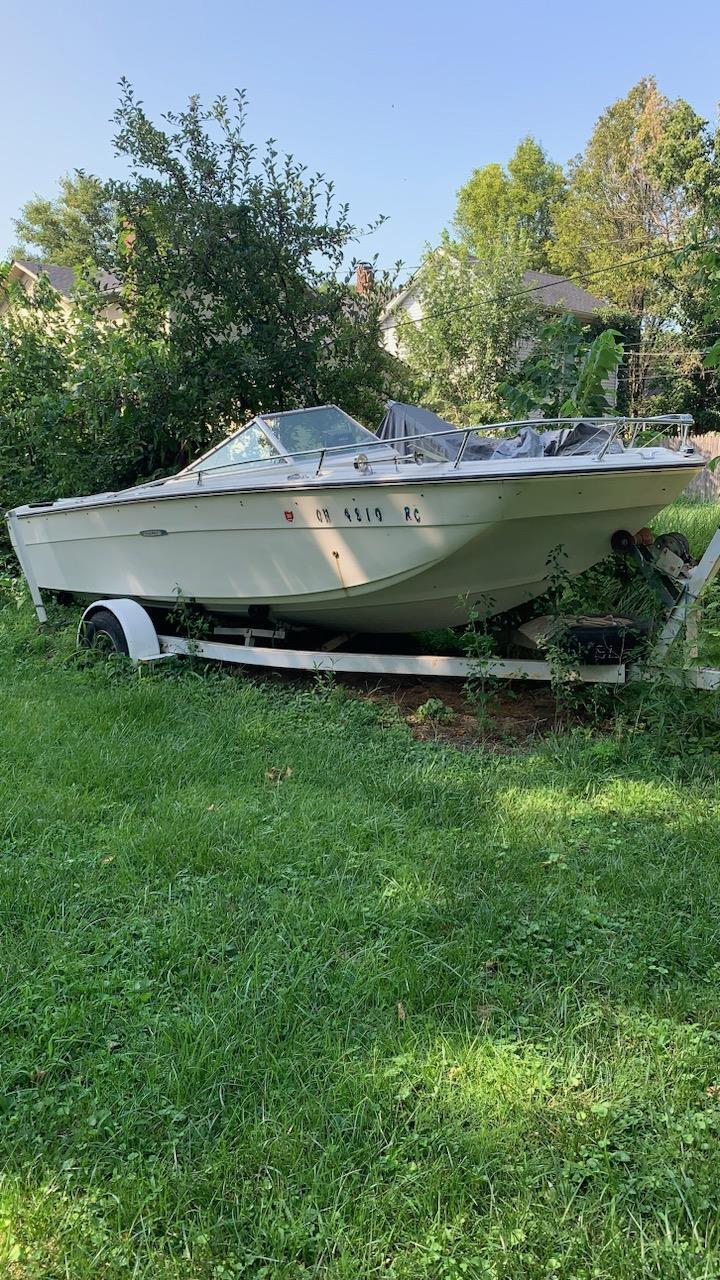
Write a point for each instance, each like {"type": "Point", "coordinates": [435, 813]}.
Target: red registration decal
{"type": "Point", "coordinates": [289, 516]}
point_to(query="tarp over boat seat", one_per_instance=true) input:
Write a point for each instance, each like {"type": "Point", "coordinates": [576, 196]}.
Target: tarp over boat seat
{"type": "Point", "coordinates": [584, 437]}
{"type": "Point", "coordinates": [410, 429]}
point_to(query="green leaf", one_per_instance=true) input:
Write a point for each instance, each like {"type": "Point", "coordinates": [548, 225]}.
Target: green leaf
{"type": "Point", "coordinates": [712, 357]}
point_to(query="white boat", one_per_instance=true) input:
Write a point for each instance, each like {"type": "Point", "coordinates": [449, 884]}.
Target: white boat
{"type": "Point", "coordinates": [307, 518]}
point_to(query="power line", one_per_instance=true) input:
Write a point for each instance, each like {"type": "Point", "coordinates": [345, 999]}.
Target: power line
{"type": "Point", "coordinates": [656, 353]}
{"type": "Point", "coordinates": [583, 244]}
{"type": "Point", "coordinates": [661, 355]}
{"type": "Point", "coordinates": [550, 284]}
{"type": "Point", "coordinates": [642, 343]}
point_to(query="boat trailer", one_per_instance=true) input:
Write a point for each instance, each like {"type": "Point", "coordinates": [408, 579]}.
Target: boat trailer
{"type": "Point", "coordinates": [127, 627]}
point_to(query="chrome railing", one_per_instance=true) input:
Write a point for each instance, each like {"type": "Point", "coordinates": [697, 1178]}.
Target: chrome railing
{"type": "Point", "coordinates": [608, 431]}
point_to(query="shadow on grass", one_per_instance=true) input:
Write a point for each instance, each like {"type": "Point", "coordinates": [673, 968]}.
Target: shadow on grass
{"type": "Point", "coordinates": [288, 994]}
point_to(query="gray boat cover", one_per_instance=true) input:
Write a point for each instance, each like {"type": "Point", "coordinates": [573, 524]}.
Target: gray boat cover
{"type": "Point", "coordinates": [411, 429]}
{"type": "Point", "coordinates": [584, 437]}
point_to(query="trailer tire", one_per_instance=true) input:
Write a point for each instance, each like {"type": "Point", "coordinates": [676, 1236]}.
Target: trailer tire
{"type": "Point", "coordinates": [102, 631]}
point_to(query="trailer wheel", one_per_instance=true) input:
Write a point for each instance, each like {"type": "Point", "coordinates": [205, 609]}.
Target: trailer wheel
{"type": "Point", "coordinates": [103, 632]}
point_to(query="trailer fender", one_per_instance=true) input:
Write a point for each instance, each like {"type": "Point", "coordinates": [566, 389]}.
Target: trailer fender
{"type": "Point", "coordinates": [140, 634]}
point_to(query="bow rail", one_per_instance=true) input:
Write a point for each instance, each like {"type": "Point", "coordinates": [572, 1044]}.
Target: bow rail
{"type": "Point", "coordinates": [608, 431]}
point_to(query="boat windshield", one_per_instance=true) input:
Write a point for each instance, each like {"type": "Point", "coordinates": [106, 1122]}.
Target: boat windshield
{"type": "Point", "coordinates": [249, 446]}
{"type": "Point", "coordinates": [306, 430]}
{"type": "Point", "coordinates": [303, 433]}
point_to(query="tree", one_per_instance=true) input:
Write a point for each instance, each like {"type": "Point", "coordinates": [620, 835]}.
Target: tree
{"type": "Point", "coordinates": [476, 316]}
{"type": "Point", "coordinates": [566, 373]}
{"type": "Point", "coordinates": [517, 205]}
{"type": "Point", "coordinates": [233, 302]}
{"type": "Point", "coordinates": [634, 200]}
{"type": "Point", "coordinates": [711, 273]}
{"type": "Point", "coordinates": [244, 253]}
{"type": "Point", "coordinates": [706, 279]}
{"type": "Point", "coordinates": [72, 229]}
{"type": "Point", "coordinates": [701, 306]}
{"type": "Point", "coordinates": [86, 406]}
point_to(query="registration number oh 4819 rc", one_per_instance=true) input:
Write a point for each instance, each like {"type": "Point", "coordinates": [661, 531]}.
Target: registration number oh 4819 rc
{"type": "Point", "coordinates": [365, 515]}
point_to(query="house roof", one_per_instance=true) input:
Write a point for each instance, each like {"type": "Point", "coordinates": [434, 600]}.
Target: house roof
{"type": "Point", "coordinates": [557, 291]}
{"type": "Point", "coordinates": [549, 291]}
{"type": "Point", "coordinates": [63, 279]}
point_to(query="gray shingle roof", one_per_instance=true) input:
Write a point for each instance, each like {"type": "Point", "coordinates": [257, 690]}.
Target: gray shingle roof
{"type": "Point", "coordinates": [548, 291]}
{"type": "Point", "coordinates": [556, 291]}
{"type": "Point", "coordinates": [63, 278]}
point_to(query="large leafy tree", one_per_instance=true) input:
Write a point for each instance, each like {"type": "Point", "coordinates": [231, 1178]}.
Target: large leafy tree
{"type": "Point", "coordinates": [711, 269]}
{"type": "Point", "coordinates": [706, 282]}
{"type": "Point", "coordinates": [244, 252]}
{"type": "Point", "coordinates": [232, 272]}
{"type": "Point", "coordinates": [634, 194]}
{"type": "Point", "coordinates": [476, 318]}
{"type": "Point", "coordinates": [84, 406]}
{"type": "Point", "coordinates": [706, 278]}
{"type": "Point", "coordinates": [635, 199]}
{"type": "Point", "coordinates": [517, 204]}
{"type": "Point", "coordinates": [74, 228]}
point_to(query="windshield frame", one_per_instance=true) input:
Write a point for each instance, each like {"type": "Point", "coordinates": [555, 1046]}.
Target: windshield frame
{"type": "Point", "coordinates": [192, 467]}
{"type": "Point", "coordinates": [260, 420]}
{"type": "Point", "coordinates": [367, 441]}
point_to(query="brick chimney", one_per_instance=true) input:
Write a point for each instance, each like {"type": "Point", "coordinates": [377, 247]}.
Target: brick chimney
{"type": "Point", "coordinates": [364, 277]}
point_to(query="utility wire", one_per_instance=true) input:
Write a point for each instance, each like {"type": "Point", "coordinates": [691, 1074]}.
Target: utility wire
{"type": "Point", "coordinates": [661, 355]}
{"type": "Point", "coordinates": [653, 352]}
{"type": "Point", "coordinates": [675, 336]}
{"type": "Point", "coordinates": [584, 244]}
{"type": "Point", "coordinates": [550, 284]}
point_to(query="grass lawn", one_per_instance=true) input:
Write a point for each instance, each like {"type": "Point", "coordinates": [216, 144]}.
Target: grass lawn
{"type": "Point", "coordinates": [286, 993]}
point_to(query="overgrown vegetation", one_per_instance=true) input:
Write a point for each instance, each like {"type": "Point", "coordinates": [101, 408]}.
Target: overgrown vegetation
{"type": "Point", "coordinates": [566, 375]}
{"type": "Point", "coordinates": [85, 407]}
{"type": "Point", "coordinates": [288, 994]}
{"type": "Point", "coordinates": [630, 221]}
{"type": "Point", "coordinates": [475, 321]}
{"type": "Point", "coordinates": [234, 298]}
{"type": "Point", "coordinates": [615, 587]}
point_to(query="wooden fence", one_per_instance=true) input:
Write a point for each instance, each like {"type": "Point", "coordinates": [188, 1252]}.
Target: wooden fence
{"type": "Point", "coordinates": [707, 484]}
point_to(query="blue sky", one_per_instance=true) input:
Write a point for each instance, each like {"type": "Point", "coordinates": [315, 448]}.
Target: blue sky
{"type": "Point", "coordinates": [396, 101]}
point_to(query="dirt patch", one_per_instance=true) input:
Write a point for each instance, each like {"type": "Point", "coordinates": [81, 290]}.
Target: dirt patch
{"type": "Point", "coordinates": [440, 711]}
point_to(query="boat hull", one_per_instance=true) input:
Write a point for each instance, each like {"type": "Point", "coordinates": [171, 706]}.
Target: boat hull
{"type": "Point", "coordinates": [386, 556]}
